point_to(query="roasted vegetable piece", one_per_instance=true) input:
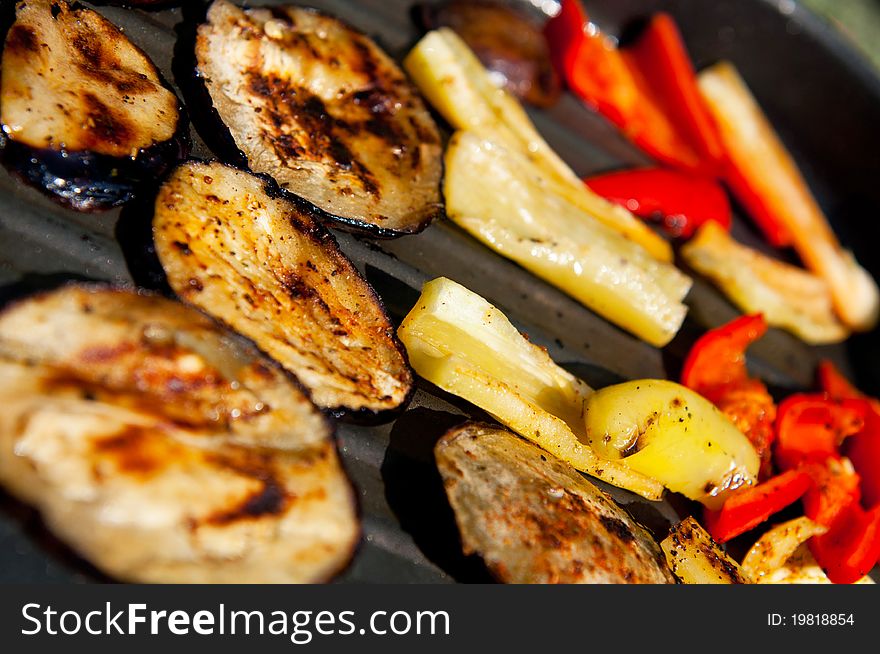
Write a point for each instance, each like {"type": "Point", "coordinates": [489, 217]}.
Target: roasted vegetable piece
{"type": "Point", "coordinates": [851, 546]}
{"type": "Point", "coordinates": [767, 181]}
{"type": "Point", "coordinates": [863, 448]}
{"type": "Point", "coordinates": [553, 238]}
{"type": "Point", "coordinates": [789, 297]}
{"type": "Point", "coordinates": [323, 110]}
{"type": "Point", "coordinates": [507, 43]}
{"type": "Point", "coordinates": [451, 77]}
{"type": "Point", "coordinates": [679, 202]}
{"type": "Point", "coordinates": [766, 561]}
{"type": "Point", "coordinates": [647, 89]}
{"type": "Point", "coordinates": [696, 559]}
{"type": "Point", "coordinates": [673, 435]}
{"type": "Point", "coordinates": [553, 525]}
{"type": "Point", "coordinates": [85, 115]}
{"type": "Point", "coordinates": [749, 507]}
{"type": "Point", "coordinates": [716, 369]}
{"type": "Point", "coordinates": [163, 448]}
{"type": "Point", "coordinates": [267, 268]}
{"type": "Point", "coordinates": [458, 341]}
{"type": "Point", "coordinates": [811, 427]}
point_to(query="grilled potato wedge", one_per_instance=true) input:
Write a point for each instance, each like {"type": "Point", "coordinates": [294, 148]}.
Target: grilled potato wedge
{"type": "Point", "coordinates": [266, 268]}
{"type": "Point", "coordinates": [534, 519]}
{"type": "Point", "coordinates": [322, 109]}
{"type": "Point", "coordinates": [164, 449]}
{"type": "Point", "coordinates": [86, 116]}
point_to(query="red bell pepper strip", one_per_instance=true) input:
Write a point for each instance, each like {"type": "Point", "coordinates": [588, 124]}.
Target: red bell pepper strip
{"type": "Point", "coordinates": [851, 546]}
{"type": "Point", "coordinates": [681, 202]}
{"type": "Point", "coordinates": [834, 488]}
{"type": "Point", "coordinates": [718, 358]}
{"type": "Point", "coordinates": [749, 507]}
{"type": "Point", "coordinates": [661, 56]}
{"type": "Point", "coordinates": [863, 448]}
{"type": "Point", "coordinates": [811, 428]}
{"type": "Point", "coordinates": [610, 81]}
{"type": "Point", "coordinates": [716, 369]}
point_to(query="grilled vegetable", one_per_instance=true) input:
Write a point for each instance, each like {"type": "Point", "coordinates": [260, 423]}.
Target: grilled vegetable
{"type": "Point", "coordinates": [507, 43]}
{"type": "Point", "coordinates": [678, 202]}
{"type": "Point", "coordinates": [747, 508]}
{"type": "Point", "coordinates": [781, 556]}
{"type": "Point", "coordinates": [267, 268]}
{"type": "Point", "coordinates": [767, 180]}
{"type": "Point", "coordinates": [789, 297]}
{"type": "Point", "coordinates": [715, 368]}
{"type": "Point", "coordinates": [553, 525]}
{"type": "Point", "coordinates": [452, 79]}
{"type": "Point", "coordinates": [458, 341]}
{"type": "Point", "coordinates": [319, 107]}
{"type": "Point", "coordinates": [553, 238]}
{"type": "Point", "coordinates": [647, 88]}
{"type": "Point", "coordinates": [673, 435]}
{"type": "Point", "coordinates": [164, 449]}
{"type": "Point", "coordinates": [85, 115]}
{"type": "Point", "coordinates": [769, 554]}
{"type": "Point", "coordinates": [696, 559]}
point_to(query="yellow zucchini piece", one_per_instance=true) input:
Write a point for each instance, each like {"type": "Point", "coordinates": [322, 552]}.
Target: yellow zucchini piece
{"type": "Point", "coordinates": [695, 558]}
{"type": "Point", "coordinates": [558, 242]}
{"type": "Point", "coordinates": [454, 81]}
{"type": "Point", "coordinates": [460, 342]}
{"type": "Point", "coordinates": [671, 434]}
{"type": "Point", "coordinates": [789, 297]}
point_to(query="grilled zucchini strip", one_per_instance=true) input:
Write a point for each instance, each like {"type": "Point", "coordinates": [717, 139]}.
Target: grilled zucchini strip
{"type": "Point", "coordinates": [554, 239]}
{"type": "Point", "coordinates": [789, 297]}
{"type": "Point", "coordinates": [458, 341]}
{"type": "Point", "coordinates": [454, 81]}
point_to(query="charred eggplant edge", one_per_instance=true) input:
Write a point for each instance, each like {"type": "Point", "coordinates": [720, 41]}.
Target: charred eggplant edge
{"type": "Point", "coordinates": [91, 172]}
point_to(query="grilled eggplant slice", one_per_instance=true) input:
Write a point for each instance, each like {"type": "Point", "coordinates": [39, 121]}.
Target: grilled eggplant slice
{"type": "Point", "coordinates": [165, 449]}
{"type": "Point", "coordinates": [322, 109]}
{"type": "Point", "coordinates": [85, 115]}
{"type": "Point", "coordinates": [268, 269]}
{"type": "Point", "coordinates": [534, 519]}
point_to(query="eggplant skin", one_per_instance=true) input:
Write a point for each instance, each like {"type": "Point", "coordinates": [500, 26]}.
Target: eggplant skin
{"type": "Point", "coordinates": [165, 449]}
{"type": "Point", "coordinates": [534, 519]}
{"type": "Point", "coordinates": [86, 117]}
{"type": "Point", "coordinates": [263, 265]}
{"type": "Point", "coordinates": [323, 110]}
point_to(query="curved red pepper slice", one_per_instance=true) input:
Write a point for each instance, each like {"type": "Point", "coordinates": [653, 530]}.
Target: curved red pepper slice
{"type": "Point", "coordinates": [681, 202]}
{"type": "Point", "coordinates": [851, 547]}
{"type": "Point", "coordinates": [718, 358]}
{"type": "Point", "coordinates": [863, 448]}
{"type": "Point", "coordinates": [748, 508]}
{"type": "Point", "coordinates": [811, 427]}
{"type": "Point", "coordinates": [716, 369]}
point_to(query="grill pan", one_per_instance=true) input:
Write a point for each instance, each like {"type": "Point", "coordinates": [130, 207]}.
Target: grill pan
{"type": "Point", "coordinates": [821, 95]}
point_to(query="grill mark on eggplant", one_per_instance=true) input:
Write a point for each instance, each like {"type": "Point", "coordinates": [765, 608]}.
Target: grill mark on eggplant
{"type": "Point", "coordinates": [319, 107]}
{"type": "Point", "coordinates": [279, 278]}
